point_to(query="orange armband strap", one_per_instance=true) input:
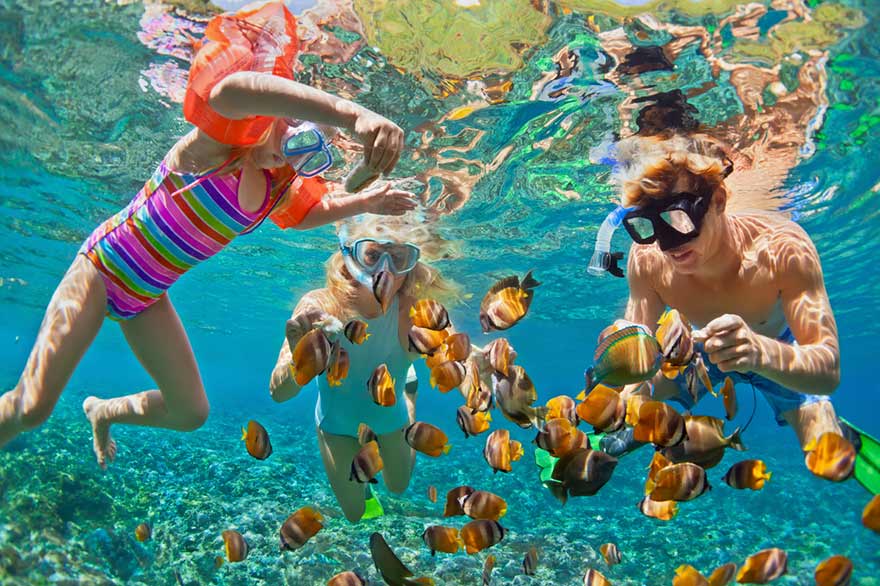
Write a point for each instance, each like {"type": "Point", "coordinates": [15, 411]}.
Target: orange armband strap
{"type": "Point", "coordinates": [305, 193]}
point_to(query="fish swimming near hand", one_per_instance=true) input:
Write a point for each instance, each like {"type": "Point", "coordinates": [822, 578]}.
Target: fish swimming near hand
{"type": "Point", "coordinates": [482, 504]}
{"type": "Point", "coordinates": [763, 567]}
{"type": "Point", "coordinates": [440, 538]}
{"type": "Point", "coordinates": [831, 457]}
{"type": "Point", "coordinates": [659, 424]}
{"type": "Point", "coordinates": [472, 423]}
{"type": "Point", "coordinates": [389, 565]}
{"type": "Point", "coordinates": [367, 463]}
{"type": "Point", "coordinates": [143, 532]}
{"type": "Point", "coordinates": [337, 368]}
{"type": "Point", "coordinates": [530, 561]}
{"type": "Point", "coordinates": [626, 356]}
{"type": "Point", "coordinates": [427, 439]}
{"type": "Point", "coordinates": [383, 289]}
{"type": "Point", "coordinates": [603, 408]}
{"type": "Point", "coordinates": [507, 302]}
{"type": "Point", "coordinates": [501, 355]}
{"type": "Point", "coordinates": [611, 554]}
{"type": "Point", "coordinates": [558, 437]}
{"type": "Point", "coordinates": [256, 440]}
{"type": "Point", "coordinates": [481, 534]}
{"type": "Point", "coordinates": [686, 575]}
{"type": "Point", "coordinates": [381, 387]}
{"type": "Point", "coordinates": [835, 571]}
{"type": "Point", "coordinates": [562, 406]}
{"type": "Point", "coordinates": [356, 331]}
{"type": "Point", "coordinates": [453, 501]}
{"type": "Point", "coordinates": [349, 578]}
{"type": "Point", "coordinates": [678, 482]}
{"type": "Point", "coordinates": [425, 341]}
{"type": "Point", "coordinates": [595, 578]}
{"type": "Point", "coordinates": [447, 376]}
{"type": "Point", "coordinates": [679, 352]}
{"type": "Point", "coordinates": [235, 546]}
{"type": "Point", "coordinates": [299, 527]}
{"type": "Point", "coordinates": [662, 510]}
{"type": "Point", "coordinates": [310, 356]}
{"type": "Point", "coordinates": [430, 314]}
{"type": "Point", "coordinates": [704, 442]}
{"type": "Point", "coordinates": [871, 514]}
{"type": "Point", "coordinates": [747, 474]}
{"type": "Point", "coordinates": [515, 395]}
{"type": "Point", "coordinates": [582, 472]}
{"type": "Point", "coordinates": [500, 450]}
{"type": "Point", "coordinates": [728, 393]}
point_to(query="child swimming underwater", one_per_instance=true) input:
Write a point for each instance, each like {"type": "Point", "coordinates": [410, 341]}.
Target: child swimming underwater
{"type": "Point", "coordinates": [250, 156]}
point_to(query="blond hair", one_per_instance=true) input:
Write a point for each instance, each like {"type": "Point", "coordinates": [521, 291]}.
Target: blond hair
{"type": "Point", "coordinates": [650, 166]}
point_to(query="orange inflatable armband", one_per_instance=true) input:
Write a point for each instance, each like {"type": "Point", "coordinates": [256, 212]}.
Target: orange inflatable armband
{"type": "Point", "coordinates": [262, 40]}
{"type": "Point", "coordinates": [306, 192]}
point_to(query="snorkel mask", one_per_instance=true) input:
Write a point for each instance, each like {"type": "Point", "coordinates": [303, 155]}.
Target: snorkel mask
{"type": "Point", "coordinates": [366, 258]}
{"type": "Point", "coordinates": [305, 149]}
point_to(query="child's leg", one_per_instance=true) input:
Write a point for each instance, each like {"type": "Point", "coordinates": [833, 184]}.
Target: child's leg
{"type": "Point", "coordinates": [338, 452]}
{"type": "Point", "coordinates": [811, 420]}
{"type": "Point", "coordinates": [73, 318]}
{"type": "Point", "coordinates": [157, 338]}
{"type": "Point", "coordinates": [398, 458]}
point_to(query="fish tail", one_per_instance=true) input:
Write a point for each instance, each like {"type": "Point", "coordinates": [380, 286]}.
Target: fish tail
{"type": "Point", "coordinates": [446, 448]}
{"type": "Point", "coordinates": [243, 434]}
{"type": "Point", "coordinates": [767, 475]}
{"type": "Point", "coordinates": [432, 380]}
{"type": "Point", "coordinates": [412, 311]}
{"type": "Point", "coordinates": [735, 441]}
{"type": "Point", "coordinates": [529, 282]}
{"type": "Point", "coordinates": [488, 416]}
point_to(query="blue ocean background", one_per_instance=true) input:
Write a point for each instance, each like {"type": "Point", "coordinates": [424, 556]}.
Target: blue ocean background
{"type": "Point", "coordinates": [78, 136]}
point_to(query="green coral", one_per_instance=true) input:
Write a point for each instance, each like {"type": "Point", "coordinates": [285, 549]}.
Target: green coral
{"type": "Point", "coordinates": [687, 7]}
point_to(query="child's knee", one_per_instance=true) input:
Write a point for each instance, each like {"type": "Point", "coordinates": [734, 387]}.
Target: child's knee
{"type": "Point", "coordinates": [397, 485]}
{"type": "Point", "coordinates": [196, 416]}
{"type": "Point", "coordinates": [32, 412]}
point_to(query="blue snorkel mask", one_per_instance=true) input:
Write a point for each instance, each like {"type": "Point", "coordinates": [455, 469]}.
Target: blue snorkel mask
{"type": "Point", "coordinates": [367, 257]}
{"type": "Point", "coordinates": [603, 259]}
{"type": "Point", "coordinates": [306, 149]}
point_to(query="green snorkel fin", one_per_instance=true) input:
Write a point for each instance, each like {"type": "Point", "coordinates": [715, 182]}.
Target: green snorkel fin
{"type": "Point", "coordinates": [867, 466]}
{"type": "Point", "coordinates": [546, 462]}
{"type": "Point", "coordinates": [372, 506]}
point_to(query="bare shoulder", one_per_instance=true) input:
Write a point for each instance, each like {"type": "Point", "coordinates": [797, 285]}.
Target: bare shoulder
{"type": "Point", "coordinates": [315, 300]}
{"type": "Point", "coordinates": [196, 152]}
{"type": "Point", "coordinates": [780, 245]}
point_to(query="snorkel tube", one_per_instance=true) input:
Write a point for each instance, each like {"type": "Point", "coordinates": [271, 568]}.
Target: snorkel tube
{"type": "Point", "coordinates": [603, 259]}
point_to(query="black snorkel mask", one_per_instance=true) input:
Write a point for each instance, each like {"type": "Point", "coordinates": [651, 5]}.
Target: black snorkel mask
{"type": "Point", "coordinates": [671, 222]}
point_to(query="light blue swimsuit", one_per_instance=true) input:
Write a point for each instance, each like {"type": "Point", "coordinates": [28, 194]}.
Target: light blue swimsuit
{"type": "Point", "coordinates": [341, 409]}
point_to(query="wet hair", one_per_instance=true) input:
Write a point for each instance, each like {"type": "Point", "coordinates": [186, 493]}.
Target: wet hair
{"type": "Point", "coordinates": [651, 165]}
{"type": "Point", "coordinates": [666, 113]}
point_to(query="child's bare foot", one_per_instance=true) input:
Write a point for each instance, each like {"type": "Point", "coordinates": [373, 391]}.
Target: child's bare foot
{"type": "Point", "coordinates": [102, 443]}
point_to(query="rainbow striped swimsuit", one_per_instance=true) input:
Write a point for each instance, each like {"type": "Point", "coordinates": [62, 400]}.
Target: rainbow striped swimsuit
{"type": "Point", "coordinates": [175, 222]}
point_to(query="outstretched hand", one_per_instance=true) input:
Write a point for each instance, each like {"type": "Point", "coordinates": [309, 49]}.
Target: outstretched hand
{"type": "Point", "coordinates": [731, 344]}
{"type": "Point", "coordinates": [382, 140]}
{"type": "Point", "coordinates": [302, 323]}
{"type": "Point", "coordinates": [388, 201]}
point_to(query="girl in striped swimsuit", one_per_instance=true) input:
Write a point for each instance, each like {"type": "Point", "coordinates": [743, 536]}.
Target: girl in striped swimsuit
{"type": "Point", "coordinates": [183, 216]}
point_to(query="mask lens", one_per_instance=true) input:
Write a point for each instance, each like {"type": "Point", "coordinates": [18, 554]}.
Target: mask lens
{"type": "Point", "coordinates": [314, 164]}
{"type": "Point", "coordinates": [679, 221]}
{"type": "Point", "coordinates": [643, 227]}
{"type": "Point", "coordinates": [298, 142]}
{"type": "Point", "coordinates": [402, 257]}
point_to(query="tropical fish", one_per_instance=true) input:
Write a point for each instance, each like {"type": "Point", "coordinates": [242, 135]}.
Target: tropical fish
{"type": "Point", "coordinates": [704, 442]}
{"type": "Point", "coordinates": [626, 356]}
{"type": "Point", "coordinates": [458, 347]}
{"type": "Point", "coordinates": [501, 355]}
{"type": "Point", "coordinates": [430, 314]}
{"type": "Point", "coordinates": [143, 532]}
{"type": "Point", "coordinates": [381, 387]}
{"type": "Point", "coordinates": [236, 547]}
{"type": "Point", "coordinates": [481, 534]}
{"type": "Point", "coordinates": [425, 341]}
{"type": "Point", "coordinates": [427, 439]}
{"type": "Point", "coordinates": [367, 463]}
{"type": "Point", "coordinates": [664, 510]}
{"type": "Point", "coordinates": [479, 396]}
{"type": "Point", "coordinates": [831, 457]}
{"type": "Point", "coordinates": [633, 405]}
{"type": "Point", "coordinates": [365, 434]}
{"type": "Point", "coordinates": [603, 408]}
{"type": "Point", "coordinates": [582, 472]}
{"type": "Point", "coordinates": [678, 482]}
{"type": "Point", "coordinates": [728, 393]}
{"type": "Point", "coordinates": [439, 538]}
{"type": "Point", "coordinates": [747, 474]}
{"type": "Point", "coordinates": [611, 554]}
{"type": "Point", "coordinates": [447, 376]}
{"type": "Point", "coordinates": [516, 395]}
{"type": "Point", "coordinates": [389, 565]}
{"type": "Point", "coordinates": [432, 493]}
{"type": "Point", "coordinates": [507, 302]}
{"type": "Point", "coordinates": [871, 514]}
{"type": "Point", "coordinates": [686, 575]}
{"type": "Point", "coordinates": [723, 574]}
{"type": "Point", "coordinates": [763, 567]}
{"type": "Point", "coordinates": [453, 501]}
{"type": "Point", "coordinates": [835, 571]}
{"type": "Point", "coordinates": [658, 462]}
{"type": "Point", "coordinates": [659, 424]}
{"type": "Point", "coordinates": [347, 579]}
{"type": "Point", "coordinates": [472, 423]}
{"type": "Point", "coordinates": [488, 566]}
{"type": "Point", "coordinates": [500, 450]}
{"type": "Point", "coordinates": [562, 406]}
{"type": "Point", "coordinates": [356, 331]}
{"type": "Point", "coordinates": [677, 345]}
{"type": "Point", "coordinates": [383, 289]}
{"type": "Point", "coordinates": [530, 561]}
{"type": "Point", "coordinates": [310, 356]}
{"type": "Point", "coordinates": [594, 578]}
{"type": "Point", "coordinates": [481, 504]}
{"type": "Point", "coordinates": [337, 369]}
{"type": "Point", "coordinates": [558, 437]}
{"type": "Point", "coordinates": [256, 439]}
{"type": "Point", "coordinates": [218, 563]}
{"type": "Point", "coordinates": [301, 526]}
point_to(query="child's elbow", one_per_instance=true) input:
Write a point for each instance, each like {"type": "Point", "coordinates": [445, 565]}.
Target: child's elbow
{"type": "Point", "coordinates": [229, 97]}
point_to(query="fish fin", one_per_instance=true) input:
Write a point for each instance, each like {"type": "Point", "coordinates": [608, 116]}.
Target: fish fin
{"type": "Point", "coordinates": [366, 336]}
{"type": "Point", "coordinates": [506, 282]}
{"type": "Point", "coordinates": [650, 485]}
{"type": "Point", "coordinates": [582, 395]}
{"type": "Point", "coordinates": [412, 311]}
{"type": "Point", "coordinates": [703, 374]}
{"type": "Point", "coordinates": [735, 441]}
{"type": "Point", "coordinates": [446, 448]}
{"type": "Point", "coordinates": [243, 434]}
{"type": "Point", "coordinates": [529, 282]}
{"type": "Point", "coordinates": [669, 371]}
{"type": "Point", "coordinates": [811, 445]}
{"type": "Point", "coordinates": [589, 381]}
{"type": "Point", "coordinates": [767, 475]}
{"type": "Point", "coordinates": [488, 416]}
{"type": "Point", "coordinates": [432, 381]}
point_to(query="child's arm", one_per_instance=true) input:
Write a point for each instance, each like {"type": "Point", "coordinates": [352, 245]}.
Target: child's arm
{"type": "Point", "coordinates": [383, 200]}
{"type": "Point", "coordinates": [247, 93]}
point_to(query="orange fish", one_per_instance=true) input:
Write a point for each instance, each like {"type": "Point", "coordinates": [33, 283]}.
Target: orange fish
{"type": "Point", "coordinates": [425, 341]}
{"type": "Point", "coordinates": [143, 532]}
{"type": "Point", "coordinates": [516, 395]}
{"type": "Point", "coordinates": [603, 409]}
{"type": "Point", "coordinates": [347, 579]}
{"type": "Point", "coordinates": [558, 437]}
{"type": "Point", "coordinates": [633, 404]}
{"type": "Point", "coordinates": [704, 442]}
{"type": "Point", "coordinates": [658, 462]}
{"type": "Point", "coordinates": [478, 395]}
{"type": "Point", "coordinates": [835, 571]}
{"type": "Point", "coordinates": [501, 355]}
{"type": "Point", "coordinates": [301, 526]}
{"type": "Point", "coordinates": [594, 578]}
{"type": "Point", "coordinates": [381, 387]}
{"type": "Point", "coordinates": [383, 289]}
{"type": "Point", "coordinates": [481, 534]}
{"type": "Point", "coordinates": [432, 493]}
{"type": "Point", "coordinates": [763, 567]}
{"type": "Point", "coordinates": [674, 335]}
{"type": "Point", "coordinates": [500, 450]}
{"type": "Point", "coordinates": [728, 393]}
{"type": "Point", "coordinates": [659, 424]}
{"type": "Point", "coordinates": [472, 423]}
{"type": "Point", "coordinates": [430, 314]}
{"type": "Point", "coordinates": [507, 302]}
{"type": "Point", "coordinates": [256, 440]}
{"type": "Point", "coordinates": [439, 538]}
{"type": "Point", "coordinates": [832, 457]}
{"type": "Point", "coordinates": [337, 370]}
{"type": "Point", "coordinates": [458, 347]}
{"type": "Point", "coordinates": [367, 463]}
{"type": "Point", "coordinates": [871, 514]}
{"type": "Point", "coordinates": [611, 554]}
{"type": "Point", "coordinates": [530, 561]}
{"type": "Point", "coordinates": [678, 482]}
{"type": "Point", "coordinates": [686, 575]}
{"type": "Point", "coordinates": [747, 474]}
{"type": "Point", "coordinates": [581, 472]}
{"type": "Point", "coordinates": [664, 510]}
{"type": "Point", "coordinates": [427, 439]}
{"type": "Point", "coordinates": [481, 504]}
{"type": "Point", "coordinates": [310, 357]}
{"type": "Point", "coordinates": [236, 547]}
{"type": "Point", "coordinates": [447, 376]}
{"type": "Point", "coordinates": [723, 575]}
{"type": "Point", "coordinates": [356, 331]}
{"type": "Point", "coordinates": [437, 358]}
{"type": "Point", "coordinates": [562, 406]}
{"type": "Point", "coordinates": [365, 434]}
{"type": "Point", "coordinates": [453, 501]}
{"type": "Point", "coordinates": [488, 566]}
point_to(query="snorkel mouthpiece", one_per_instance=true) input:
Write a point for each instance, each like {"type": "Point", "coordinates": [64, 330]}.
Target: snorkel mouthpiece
{"type": "Point", "coordinates": [603, 259]}
{"type": "Point", "coordinates": [383, 288]}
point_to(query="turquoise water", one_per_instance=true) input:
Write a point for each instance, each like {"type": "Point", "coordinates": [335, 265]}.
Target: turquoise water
{"type": "Point", "coordinates": [515, 180]}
